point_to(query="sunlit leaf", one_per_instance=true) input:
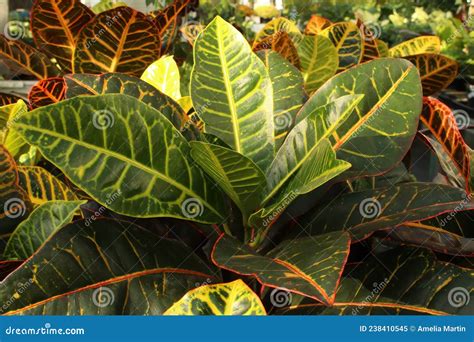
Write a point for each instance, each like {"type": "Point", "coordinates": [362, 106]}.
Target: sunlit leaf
{"type": "Point", "coordinates": [164, 76]}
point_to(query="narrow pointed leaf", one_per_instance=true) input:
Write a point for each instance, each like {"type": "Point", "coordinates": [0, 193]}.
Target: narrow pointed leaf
{"type": "Point", "coordinates": [127, 150]}
{"type": "Point", "coordinates": [278, 25]}
{"type": "Point", "coordinates": [164, 76]}
{"type": "Point", "coordinates": [232, 93]}
{"type": "Point", "coordinates": [55, 25]}
{"type": "Point", "coordinates": [441, 122]}
{"type": "Point", "coordinates": [23, 58]}
{"type": "Point", "coordinates": [416, 46]}
{"type": "Point", "coordinates": [316, 24]}
{"type": "Point", "coordinates": [77, 272]}
{"type": "Point", "coordinates": [42, 187]}
{"type": "Point", "coordinates": [46, 92]}
{"type": "Point", "coordinates": [128, 43]}
{"type": "Point", "coordinates": [237, 175]}
{"type": "Point", "coordinates": [234, 298]}
{"type": "Point", "coordinates": [43, 222]}
{"type": "Point", "coordinates": [288, 93]}
{"type": "Point", "coordinates": [310, 266]}
{"type": "Point", "coordinates": [280, 42]}
{"type": "Point", "coordinates": [116, 83]}
{"type": "Point", "coordinates": [319, 61]}
{"type": "Point", "coordinates": [436, 71]}
{"type": "Point", "coordinates": [362, 213]}
{"type": "Point", "coordinates": [377, 135]}
{"type": "Point", "coordinates": [347, 39]}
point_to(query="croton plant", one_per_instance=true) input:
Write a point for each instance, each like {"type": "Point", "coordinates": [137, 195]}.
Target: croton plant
{"type": "Point", "coordinates": [283, 184]}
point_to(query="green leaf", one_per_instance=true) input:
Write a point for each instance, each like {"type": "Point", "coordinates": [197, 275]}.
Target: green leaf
{"type": "Point", "coordinates": [234, 298]}
{"type": "Point", "coordinates": [237, 175]}
{"type": "Point", "coordinates": [319, 61]}
{"type": "Point", "coordinates": [309, 266]}
{"type": "Point", "coordinates": [399, 282]}
{"type": "Point", "coordinates": [115, 83]}
{"type": "Point", "coordinates": [163, 74]}
{"type": "Point", "coordinates": [376, 136]}
{"type": "Point", "coordinates": [232, 92]}
{"type": "Point", "coordinates": [43, 222]}
{"type": "Point", "coordinates": [41, 186]}
{"type": "Point", "coordinates": [104, 267]}
{"type": "Point", "coordinates": [124, 154]}
{"type": "Point", "coordinates": [288, 92]}
{"type": "Point", "coordinates": [9, 138]}
{"type": "Point", "coordinates": [362, 213]}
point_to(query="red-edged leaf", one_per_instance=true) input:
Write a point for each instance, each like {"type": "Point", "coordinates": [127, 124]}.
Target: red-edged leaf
{"type": "Point", "coordinates": [119, 40]}
{"type": "Point", "coordinates": [25, 59]}
{"type": "Point", "coordinates": [8, 266]}
{"type": "Point", "coordinates": [168, 21]}
{"type": "Point", "coordinates": [56, 25]}
{"type": "Point", "coordinates": [6, 99]}
{"type": "Point", "coordinates": [46, 92]}
{"type": "Point", "coordinates": [309, 266]}
{"type": "Point", "coordinates": [441, 122]}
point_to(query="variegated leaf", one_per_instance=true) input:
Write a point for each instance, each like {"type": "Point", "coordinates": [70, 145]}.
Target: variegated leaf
{"type": "Point", "coordinates": [416, 46]}
{"type": "Point", "coordinates": [48, 91]}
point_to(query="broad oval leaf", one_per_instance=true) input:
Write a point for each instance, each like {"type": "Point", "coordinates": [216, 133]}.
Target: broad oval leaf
{"type": "Point", "coordinates": [377, 135]}
{"type": "Point", "coordinates": [436, 71]}
{"type": "Point", "coordinates": [234, 298]}
{"type": "Point", "coordinates": [277, 25]}
{"type": "Point", "coordinates": [288, 93]}
{"type": "Point", "coordinates": [55, 25]}
{"type": "Point", "coordinates": [440, 120]}
{"type": "Point", "coordinates": [232, 92]}
{"type": "Point", "coordinates": [319, 61]}
{"type": "Point", "coordinates": [309, 266]}
{"type": "Point", "coordinates": [237, 175]}
{"type": "Point", "coordinates": [316, 24]}
{"type": "Point", "coordinates": [116, 83]}
{"type": "Point", "coordinates": [123, 149]}
{"type": "Point", "coordinates": [43, 222]}
{"type": "Point", "coordinates": [23, 58]}
{"type": "Point", "coordinates": [416, 46]}
{"type": "Point", "coordinates": [48, 91]}
{"type": "Point", "coordinates": [362, 213]}
{"type": "Point", "coordinates": [164, 76]}
{"type": "Point", "coordinates": [111, 268]}
{"type": "Point", "coordinates": [347, 39]}
{"type": "Point", "coordinates": [399, 282]}
{"type": "Point", "coordinates": [128, 43]}
{"type": "Point", "coordinates": [42, 187]}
